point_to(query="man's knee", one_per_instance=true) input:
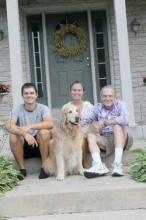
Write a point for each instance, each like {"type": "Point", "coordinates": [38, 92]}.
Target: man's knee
{"type": "Point", "coordinates": [45, 134]}
{"type": "Point", "coordinates": [91, 136]}
{"type": "Point", "coordinates": [14, 139]}
{"type": "Point", "coordinates": [117, 128]}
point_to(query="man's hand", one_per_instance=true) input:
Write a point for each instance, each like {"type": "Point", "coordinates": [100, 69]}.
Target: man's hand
{"type": "Point", "coordinates": [25, 129]}
{"type": "Point", "coordinates": [97, 126]}
{"type": "Point", "coordinates": [30, 140]}
{"type": "Point", "coordinates": [110, 122]}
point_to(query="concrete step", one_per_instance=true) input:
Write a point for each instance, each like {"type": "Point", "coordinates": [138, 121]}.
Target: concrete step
{"type": "Point", "coordinates": [76, 194]}
{"type": "Point", "coordinates": [33, 165]}
{"type": "Point", "coordinates": [107, 215]}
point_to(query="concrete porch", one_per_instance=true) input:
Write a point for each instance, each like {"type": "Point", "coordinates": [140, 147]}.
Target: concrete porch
{"type": "Point", "coordinates": [75, 196]}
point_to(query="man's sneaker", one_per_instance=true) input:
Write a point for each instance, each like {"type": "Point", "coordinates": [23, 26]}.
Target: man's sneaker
{"type": "Point", "coordinates": [22, 174]}
{"type": "Point", "coordinates": [43, 174]}
{"type": "Point", "coordinates": [117, 169]}
{"type": "Point", "coordinates": [98, 169]}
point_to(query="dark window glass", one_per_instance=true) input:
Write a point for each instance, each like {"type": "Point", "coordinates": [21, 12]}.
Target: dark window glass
{"type": "Point", "coordinates": [101, 55]}
{"type": "Point", "coordinates": [103, 82]}
{"type": "Point", "coordinates": [35, 29]}
{"type": "Point", "coordinates": [37, 57]}
{"type": "Point", "coordinates": [40, 90]}
{"type": "Point", "coordinates": [36, 45]}
{"type": "Point", "coordinates": [99, 26]}
{"type": "Point", "coordinates": [35, 33]}
{"type": "Point", "coordinates": [102, 71]}
{"type": "Point", "coordinates": [99, 40]}
{"type": "Point", "coordinates": [38, 75]}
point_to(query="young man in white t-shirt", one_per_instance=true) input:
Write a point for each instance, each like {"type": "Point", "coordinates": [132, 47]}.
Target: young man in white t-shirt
{"type": "Point", "coordinates": [29, 126]}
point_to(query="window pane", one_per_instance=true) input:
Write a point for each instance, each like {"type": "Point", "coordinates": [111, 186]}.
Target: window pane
{"type": "Point", "coordinates": [38, 75]}
{"type": "Point", "coordinates": [35, 29]}
{"type": "Point", "coordinates": [101, 55]}
{"type": "Point", "coordinates": [40, 90]}
{"type": "Point", "coordinates": [99, 26]}
{"type": "Point", "coordinates": [36, 45]}
{"type": "Point", "coordinates": [99, 40]}
{"type": "Point", "coordinates": [103, 82]}
{"type": "Point", "coordinates": [37, 57]}
{"type": "Point", "coordinates": [102, 71]}
{"type": "Point", "coordinates": [35, 34]}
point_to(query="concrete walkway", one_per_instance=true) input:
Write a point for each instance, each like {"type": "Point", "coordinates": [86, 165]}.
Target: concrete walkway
{"type": "Point", "coordinates": [139, 214]}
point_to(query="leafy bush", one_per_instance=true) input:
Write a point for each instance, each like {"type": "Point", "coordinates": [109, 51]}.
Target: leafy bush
{"type": "Point", "coordinates": [138, 167]}
{"type": "Point", "coordinates": [8, 176]}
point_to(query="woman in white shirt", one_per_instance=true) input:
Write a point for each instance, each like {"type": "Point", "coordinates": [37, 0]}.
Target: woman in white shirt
{"type": "Point", "coordinates": [76, 92]}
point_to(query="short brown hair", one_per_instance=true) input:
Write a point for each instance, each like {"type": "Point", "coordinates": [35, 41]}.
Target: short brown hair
{"type": "Point", "coordinates": [28, 85]}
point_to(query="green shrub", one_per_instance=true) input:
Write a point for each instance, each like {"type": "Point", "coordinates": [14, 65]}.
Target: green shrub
{"type": "Point", "coordinates": [8, 175]}
{"type": "Point", "coordinates": [138, 167]}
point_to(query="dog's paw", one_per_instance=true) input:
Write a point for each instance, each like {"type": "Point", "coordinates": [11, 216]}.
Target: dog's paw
{"type": "Point", "coordinates": [60, 177]}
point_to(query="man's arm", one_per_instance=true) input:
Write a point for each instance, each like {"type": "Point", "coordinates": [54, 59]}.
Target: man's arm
{"type": "Point", "coordinates": [122, 119]}
{"type": "Point", "coordinates": [11, 127]}
{"type": "Point", "coordinates": [47, 123]}
{"type": "Point", "coordinates": [90, 116]}
{"type": "Point", "coordinates": [14, 129]}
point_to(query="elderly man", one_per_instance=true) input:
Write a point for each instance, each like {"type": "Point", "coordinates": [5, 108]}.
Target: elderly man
{"type": "Point", "coordinates": [110, 121]}
{"type": "Point", "coordinates": [29, 126]}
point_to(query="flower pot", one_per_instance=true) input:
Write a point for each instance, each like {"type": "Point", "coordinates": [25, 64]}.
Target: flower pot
{"type": "Point", "coordinates": [2, 95]}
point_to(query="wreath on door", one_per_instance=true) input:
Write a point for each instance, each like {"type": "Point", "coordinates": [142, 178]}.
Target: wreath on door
{"type": "Point", "coordinates": [76, 31]}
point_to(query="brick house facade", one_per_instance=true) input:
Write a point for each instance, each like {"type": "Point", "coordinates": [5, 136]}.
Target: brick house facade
{"type": "Point", "coordinates": [127, 50]}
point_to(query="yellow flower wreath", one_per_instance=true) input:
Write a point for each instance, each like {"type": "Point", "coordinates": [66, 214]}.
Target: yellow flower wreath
{"type": "Point", "coordinates": [70, 51]}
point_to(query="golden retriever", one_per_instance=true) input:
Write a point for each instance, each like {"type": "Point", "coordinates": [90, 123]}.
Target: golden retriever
{"type": "Point", "coordinates": [65, 152]}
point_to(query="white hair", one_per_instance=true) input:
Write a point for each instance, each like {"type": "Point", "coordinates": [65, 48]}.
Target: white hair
{"type": "Point", "coordinates": [107, 87]}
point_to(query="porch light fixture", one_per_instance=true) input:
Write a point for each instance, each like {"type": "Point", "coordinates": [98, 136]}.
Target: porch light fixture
{"type": "Point", "coordinates": [1, 35]}
{"type": "Point", "coordinates": [135, 26]}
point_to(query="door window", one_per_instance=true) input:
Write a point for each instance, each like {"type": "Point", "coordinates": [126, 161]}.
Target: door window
{"type": "Point", "coordinates": [37, 56]}
{"type": "Point", "coordinates": [35, 37]}
{"type": "Point", "coordinates": [101, 49]}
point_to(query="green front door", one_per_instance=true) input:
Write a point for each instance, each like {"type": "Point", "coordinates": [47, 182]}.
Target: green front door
{"type": "Point", "coordinates": [63, 71]}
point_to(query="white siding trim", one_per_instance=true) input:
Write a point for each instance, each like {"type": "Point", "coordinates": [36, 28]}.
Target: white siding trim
{"type": "Point", "coordinates": [111, 63]}
{"type": "Point", "coordinates": [48, 87]}
{"type": "Point", "coordinates": [124, 58]}
{"type": "Point", "coordinates": [67, 8]}
{"type": "Point", "coordinates": [15, 50]}
{"type": "Point", "coordinates": [92, 57]}
{"type": "Point", "coordinates": [28, 72]}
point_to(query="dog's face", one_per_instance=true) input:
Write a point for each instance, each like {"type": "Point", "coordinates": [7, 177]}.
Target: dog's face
{"type": "Point", "coordinates": [71, 115]}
